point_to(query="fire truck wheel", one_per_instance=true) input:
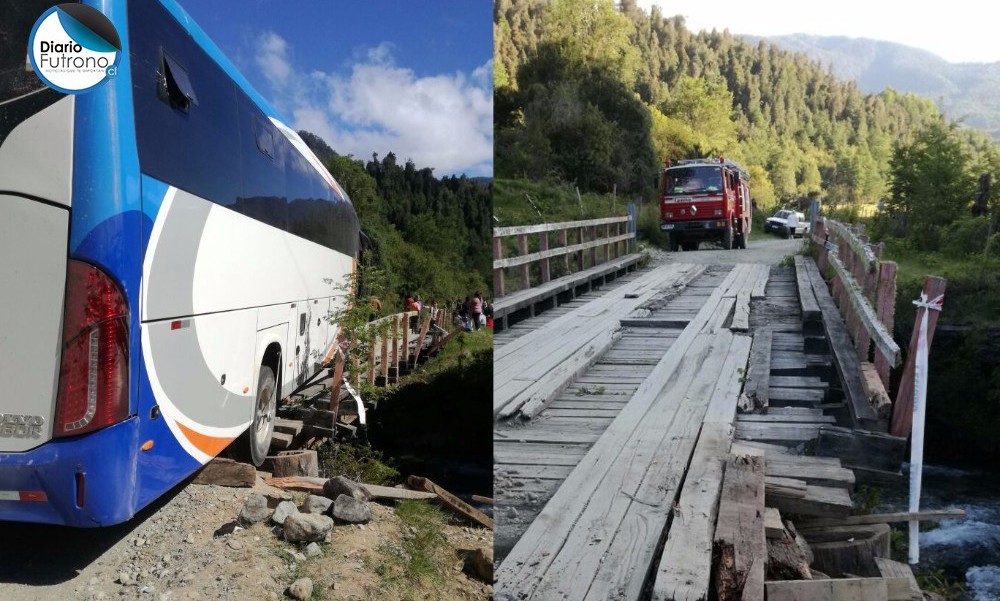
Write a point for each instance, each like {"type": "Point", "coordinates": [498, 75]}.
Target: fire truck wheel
{"type": "Point", "coordinates": [727, 237]}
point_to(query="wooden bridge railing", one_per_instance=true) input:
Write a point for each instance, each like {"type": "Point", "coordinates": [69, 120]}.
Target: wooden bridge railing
{"type": "Point", "coordinates": [864, 287]}
{"type": "Point", "coordinates": [612, 234]}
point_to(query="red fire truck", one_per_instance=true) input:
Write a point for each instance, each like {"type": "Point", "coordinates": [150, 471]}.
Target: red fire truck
{"type": "Point", "coordinates": [705, 199]}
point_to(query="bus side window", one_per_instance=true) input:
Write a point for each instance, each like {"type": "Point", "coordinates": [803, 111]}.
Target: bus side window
{"type": "Point", "coordinates": [265, 140]}
{"type": "Point", "coordinates": [175, 86]}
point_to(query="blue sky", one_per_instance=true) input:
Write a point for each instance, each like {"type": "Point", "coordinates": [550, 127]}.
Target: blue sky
{"type": "Point", "coordinates": [377, 76]}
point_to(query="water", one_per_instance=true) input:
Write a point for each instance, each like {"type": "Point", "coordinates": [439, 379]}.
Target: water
{"type": "Point", "coordinates": [966, 549]}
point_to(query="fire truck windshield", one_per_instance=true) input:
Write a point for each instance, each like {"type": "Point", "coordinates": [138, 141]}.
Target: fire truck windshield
{"type": "Point", "coordinates": [693, 180]}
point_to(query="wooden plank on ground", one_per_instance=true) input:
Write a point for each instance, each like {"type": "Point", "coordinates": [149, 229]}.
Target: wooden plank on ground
{"type": "Point", "coordinates": [761, 282]}
{"type": "Point", "coordinates": [787, 418]}
{"type": "Point", "coordinates": [812, 473]}
{"type": "Point", "coordinates": [840, 589]}
{"type": "Point", "coordinates": [686, 563]}
{"type": "Point", "coordinates": [782, 433]}
{"type": "Point", "coordinates": [740, 548]}
{"type": "Point", "coordinates": [741, 312]}
{"type": "Point", "coordinates": [783, 487]}
{"type": "Point", "coordinates": [451, 501]}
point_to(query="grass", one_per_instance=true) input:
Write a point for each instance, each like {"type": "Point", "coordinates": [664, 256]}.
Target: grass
{"type": "Point", "coordinates": [357, 461]}
{"type": "Point", "coordinates": [520, 202]}
{"type": "Point", "coordinates": [458, 353]}
{"type": "Point", "coordinates": [410, 569]}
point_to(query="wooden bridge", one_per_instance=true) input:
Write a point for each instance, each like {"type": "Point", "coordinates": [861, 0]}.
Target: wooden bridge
{"type": "Point", "coordinates": [651, 435]}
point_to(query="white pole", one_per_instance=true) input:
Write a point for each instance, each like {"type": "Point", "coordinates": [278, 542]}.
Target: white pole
{"type": "Point", "coordinates": [919, 416]}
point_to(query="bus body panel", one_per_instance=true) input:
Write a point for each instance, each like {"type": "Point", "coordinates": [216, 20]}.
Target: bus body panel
{"type": "Point", "coordinates": [33, 272]}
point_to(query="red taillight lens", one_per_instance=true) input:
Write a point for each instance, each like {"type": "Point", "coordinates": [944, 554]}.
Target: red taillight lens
{"type": "Point", "coordinates": [93, 377]}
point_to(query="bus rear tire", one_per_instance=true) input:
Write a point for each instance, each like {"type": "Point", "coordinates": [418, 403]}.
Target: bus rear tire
{"type": "Point", "coordinates": [257, 439]}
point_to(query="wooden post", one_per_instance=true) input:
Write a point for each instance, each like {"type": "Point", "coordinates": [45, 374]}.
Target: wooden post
{"type": "Point", "coordinates": [395, 344]}
{"type": "Point", "coordinates": [564, 241]}
{"type": "Point", "coordinates": [593, 249]}
{"type": "Point", "coordinates": [406, 340]}
{"type": "Point", "coordinates": [579, 254]}
{"type": "Point", "coordinates": [420, 339]}
{"type": "Point", "coordinates": [902, 411]}
{"type": "Point", "coordinates": [522, 248]}
{"type": "Point", "coordinates": [607, 242]}
{"type": "Point", "coordinates": [543, 244]}
{"type": "Point", "coordinates": [355, 365]}
{"type": "Point", "coordinates": [371, 360]}
{"type": "Point", "coordinates": [385, 360]}
{"type": "Point", "coordinates": [335, 382]}
{"type": "Point", "coordinates": [498, 271]}
{"type": "Point", "coordinates": [885, 309]}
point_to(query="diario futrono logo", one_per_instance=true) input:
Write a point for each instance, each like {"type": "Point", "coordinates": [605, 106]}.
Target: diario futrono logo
{"type": "Point", "coordinates": [74, 48]}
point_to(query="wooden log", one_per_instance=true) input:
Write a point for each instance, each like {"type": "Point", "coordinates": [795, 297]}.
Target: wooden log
{"type": "Point", "coordinates": [295, 463]}
{"type": "Point", "coordinates": [226, 472]}
{"type": "Point", "coordinates": [841, 550]}
{"type": "Point", "coordinates": [451, 501]}
{"type": "Point", "coordinates": [878, 398]}
{"type": "Point", "coordinates": [483, 500]}
{"type": "Point", "coordinates": [740, 548]}
{"type": "Point", "coordinates": [843, 589]}
{"type": "Point", "coordinates": [902, 411]}
{"type": "Point", "coordinates": [786, 560]}
{"type": "Point", "coordinates": [890, 518]}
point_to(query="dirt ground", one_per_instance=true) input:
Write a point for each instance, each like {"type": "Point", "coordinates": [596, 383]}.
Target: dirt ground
{"type": "Point", "coordinates": [171, 551]}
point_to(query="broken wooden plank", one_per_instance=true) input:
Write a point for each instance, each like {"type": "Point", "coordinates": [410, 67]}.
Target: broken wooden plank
{"type": "Point", "coordinates": [894, 570]}
{"type": "Point", "coordinates": [760, 284]}
{"type": "Point", "coordinates": [786, 418]}
{"type": "Point", "coordinates": [773, 527]}
{"type": "Point", "coordinates": [756, 387]}
{"type": "Point", "coordinates": [822, 501]}
{"type": "Point", "coordinates": [783, 487]}
{"type": "Point", "coordinates": [226, 472]}
{"type": "Point", "coordinates": [740, 548]}
{"type": "Point", "coordinates": [776, 396]}
{"type": "Point", "coordinates": [686, 563]}
{"type": "Point", "coordinates": [451, 501]}
{"type": "Point", "coordinates": [741, 312]}
{"type": "Point", "coordinates": [790, 434]}
{"type": "Point", "coordinates": [811, 473]}
{"type": "Point", "coordinates": [861, 448]}
{"type": "Point", "coordinates": [841, 589]}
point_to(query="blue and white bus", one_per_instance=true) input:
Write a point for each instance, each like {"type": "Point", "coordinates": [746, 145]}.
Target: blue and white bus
{"type": "Point", "coordinates": [166, 250]}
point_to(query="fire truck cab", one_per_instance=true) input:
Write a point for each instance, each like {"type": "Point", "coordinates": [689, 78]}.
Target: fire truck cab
{"type": "Point", "coordinates": [705, 199]}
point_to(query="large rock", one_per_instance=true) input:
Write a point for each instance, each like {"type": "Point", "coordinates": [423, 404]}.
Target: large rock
{"type": "Point", "coordinates": [334, 487]}
{"type": "Point", "coordinates": [255, 510]}
{"type": "Point", "coordinates": [307, 527]}
{"type": "Point", "coordinates": [350, 510]}
{"type": "Point", "coordinates": [479, 563]}
{"type": "Point", "coordinates": [316, 504]}
{"type": "Point", "coordinates": [301, 589]}
{"type": "Point", "coordinates": [284, 509]}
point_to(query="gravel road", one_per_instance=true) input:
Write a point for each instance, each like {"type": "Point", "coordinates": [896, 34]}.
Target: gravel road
{"type": "Point", "coordinates": [770, 250]}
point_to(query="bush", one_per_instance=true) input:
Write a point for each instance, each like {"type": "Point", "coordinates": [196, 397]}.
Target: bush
{"type": "Point", "coordinates": [965, 237]}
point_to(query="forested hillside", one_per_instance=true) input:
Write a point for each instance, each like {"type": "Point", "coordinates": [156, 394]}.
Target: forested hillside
{"type": "Point", "coordinates": [967, 92]}
{"type": "Point", "coordinates": [431, 236]}
{"type": "Point", "coordinates": [600, 93]}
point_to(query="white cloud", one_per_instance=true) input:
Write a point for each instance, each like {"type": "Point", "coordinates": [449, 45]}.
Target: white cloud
{"type": "Point", "coordinates": [442, 121]}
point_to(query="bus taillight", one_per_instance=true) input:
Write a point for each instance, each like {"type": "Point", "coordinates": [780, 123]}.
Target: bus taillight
{"type": "Point", "coordinates": [93, 377]}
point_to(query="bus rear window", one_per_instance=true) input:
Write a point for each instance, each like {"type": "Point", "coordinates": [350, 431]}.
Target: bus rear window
{"type": "Point", "coordinates": [22, 94]}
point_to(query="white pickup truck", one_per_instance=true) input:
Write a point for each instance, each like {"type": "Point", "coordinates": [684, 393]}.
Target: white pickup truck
{"type": "Point", "coordinates": [788, 223]}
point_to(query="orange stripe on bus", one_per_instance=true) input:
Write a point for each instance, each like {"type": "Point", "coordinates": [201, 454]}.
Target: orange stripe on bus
{"type": "Point", "coordinates": [209, 445]}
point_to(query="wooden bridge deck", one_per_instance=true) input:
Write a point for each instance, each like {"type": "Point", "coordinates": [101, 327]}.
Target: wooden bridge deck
{"type": "Point", "coordinates": [621, 484]}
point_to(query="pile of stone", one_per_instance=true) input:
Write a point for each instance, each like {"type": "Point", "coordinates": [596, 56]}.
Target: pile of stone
{"type": "Point", "coordinates": [343, 501]}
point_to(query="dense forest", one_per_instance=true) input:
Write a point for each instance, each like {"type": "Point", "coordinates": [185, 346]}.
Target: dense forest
{"type": "Point", "coordinates": [429, 236]}
{"type": "Point", "coordinates": [600, 94]}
